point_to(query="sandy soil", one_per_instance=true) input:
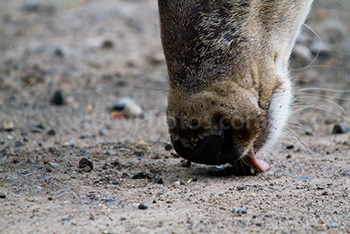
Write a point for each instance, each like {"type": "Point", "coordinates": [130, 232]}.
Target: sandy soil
{"type": "Point", "coordinates": [96, 52]}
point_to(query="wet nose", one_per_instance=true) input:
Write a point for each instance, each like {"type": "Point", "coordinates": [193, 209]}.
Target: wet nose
{"type": "Point", "coordinates": [206, 151]}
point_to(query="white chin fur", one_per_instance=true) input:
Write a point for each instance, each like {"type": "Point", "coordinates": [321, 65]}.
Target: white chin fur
{"type": "Point", "coordinates": [279, 110]}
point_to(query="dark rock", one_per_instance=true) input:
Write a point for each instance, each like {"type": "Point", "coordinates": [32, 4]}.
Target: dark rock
{"type": "Point", "coordinates": [289, 147]}
{"type": "Point", "coordinates": [168, 147]}
{"type": "Point", "coordinates": [15, 160]}
{"type": "Point", "coordinates": [239, 188]}
{"type": "Point", "coordinates": [239, 211]}
{"type": "Point", "coordinates": [84, 163]}
{"type": "Point", "coordinates": [340, 129]}
{"type": "Point", "coordinates": [2, 195]}
{"type": "Point", "coordinates": [289, 156]}
{"type": "Point", "coordinates": [107, 44]}
{"type": "Point", "coordinates": [185, 163]}
{"type": "Point", "coordinates": [115, 182]}
{"type": "Point", "coordinates": [125, 175]}
{"type": "Point", "coordinates": [37, 128]}
{"type": "Point", "coordinates": [103, 132]}
{"type": "Point", "coordinates": [158, 180]}
{"type": "Point", "coordinates": [142, 206]}
{"type": "Point", "coordinates": [115, 163]}
{"type": "Point", "coordinates": [122, 218]}
{"type": "Point", "coordinates": [57, 98]}
{"type": "Point", "coordinates": [51, 132]}
{"type": "Point", "coordinates": [59, 53]}
{"type": "Point", "coordinates": [19, 144]}
{"type": "Point", "coordinates": [140, 175]}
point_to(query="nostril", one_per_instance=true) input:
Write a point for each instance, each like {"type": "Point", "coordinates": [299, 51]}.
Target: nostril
{"type": "Point", "coordinates": [205, 151]}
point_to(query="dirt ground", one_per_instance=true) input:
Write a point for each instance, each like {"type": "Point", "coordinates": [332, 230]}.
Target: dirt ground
{"type": "Point", "coordinates": [95, 52]}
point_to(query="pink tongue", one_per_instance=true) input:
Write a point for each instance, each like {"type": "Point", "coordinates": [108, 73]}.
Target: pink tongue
{"type": "Point", "coordinates": [259, 165]}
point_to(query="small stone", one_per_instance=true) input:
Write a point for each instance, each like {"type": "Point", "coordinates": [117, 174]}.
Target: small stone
{"type": "Point", "coordinates": [289, 156]}
{"type": "Point", "coordinates": [142, 206]}
{"type": "Point", "coordinates": [58, 53]}
{"type": "Point", "coordinates": [15, 160]}
{"type": "Point", "coordinates": [84, 163]}
{"type": "Point", "coordinates": [29, 160]}
{"type": "Point", "coordinates": [340, 129]}
{"type": "Point", "coordinates": [70, 143]}
{"type": "Point", "coordinates": [185, 163]}
{"type": "Point", "coordinates": [37, 128]}
{"type": "Point", "coordinates": [103, 132]}
{"type": "Point", "coordinates": [239, 188]}
{"type": "Point", "coordinates": [51, 132]}
{"type": "Point", "coordinates": [125, 175]}
{"type": "Point", "coordinates": [176, 184]}
{"type": "Point", "coordinates": [122, 219]}
{"type": "Point", "coordinates": [115, 182]}
{"type": "Point", "coordinates": [127, 107]}
{"type": "Point", "coordinates": [239, 211]}
{"type": "Point", "coordinates": [158, 180]}
{"type": "Point", "coordinates": [289, 147]}
{"type": "Point", "coordinates": [115, 163]}
{"type": "Point", "coordinates": [140, 175]}
{"type": "Point", "coordinates": [332, 225]}
{"type": "Point", "coordinates": [57, 98]}
{"type": "Point", "coordinates": [303, 53]}
{"type": "Point", "coordinates": [168, 147]}
{"type": "Point", "coordinates": [53, 164]}
{"type": "Point", "coordinates": [2, 196]}
{"type": "Point", "coordinates": [19, 144]}
{"type": "Point", "coordinates": [107, 44]}
{"type": "Point", "coordinates": [8, 126]}
{"type": "Point", "coordinates": [321, 49]}
{"type": "Point", "coordinates": [92, 217]}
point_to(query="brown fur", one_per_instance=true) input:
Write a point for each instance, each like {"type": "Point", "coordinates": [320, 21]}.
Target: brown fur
{"type": "Point", "coordinates": [221, 62]}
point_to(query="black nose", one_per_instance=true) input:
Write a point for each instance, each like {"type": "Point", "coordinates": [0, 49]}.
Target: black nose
{"type": "Point", "coordinates": [211, 150]}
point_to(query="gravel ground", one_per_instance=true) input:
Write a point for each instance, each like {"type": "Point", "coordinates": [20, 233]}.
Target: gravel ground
{"type": "Point", "coordinates": [69, 163]}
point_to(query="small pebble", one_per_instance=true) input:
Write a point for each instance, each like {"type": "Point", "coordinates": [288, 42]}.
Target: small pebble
{"type": "Point", "coordinates": [332, 225]}
{"type": "Point", "coordinates": [127, 107]}
{"type": "Point", "coordinates": [107, 44]}
{"type": "Point", "coordinates": [103, 132]}
{"type": "Point", "coordinates": [29, 160]}
{"type": "Point", "coordinates": [239, 211]}
{"type": "Point", "coordinates": [58, 53]}
{"type": "Point", "coordinates": [122, 218]}
{"type": "Point", "coordinates": [57, 98]}
{"type": "Point", "coordinates": [340, 129]}
{"type": "Point", "coordinates": [115, 163]}
{"type": "Point", "coordinates": [168, 147]}
{"type": "Point", "coordinates": [185, 163]}
{"type": "Point", "coordinates": [84, 162]}
{"type": "Point", "coordinates": [2, 196]}
{"type": "Point", "coordinates": [321, 49]}
{"type": "Point", "coordinates": [139, 175]}
{"type": "Point", "coordinates": [158, 180]}
{"type": "Point", "coordinates": [289, 156]}
{"type": "Point", "coordinates": [115, 182]}
{"type": "Point", "coordinates": [8, 126]}
{"type": "Point", "coordinates": [51, 132]}
{"type": "Point", "coordinates": [142, 206]}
